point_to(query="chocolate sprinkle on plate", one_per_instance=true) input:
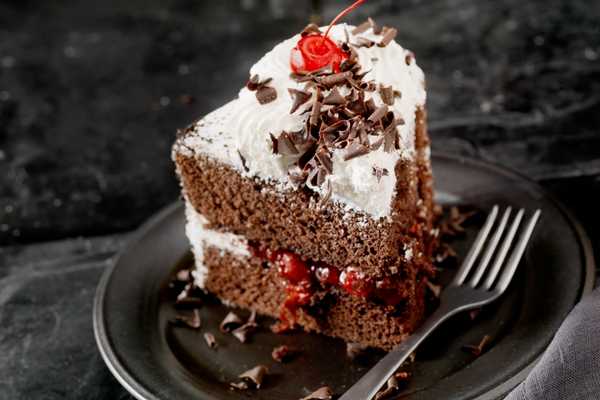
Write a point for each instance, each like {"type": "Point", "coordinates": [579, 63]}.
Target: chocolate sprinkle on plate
{"type": "Point", "coordinates": [193, 322]}
{"type": "Point", "coordinates": [435, 289]}
{"type": "Point", "coordinates": [323, 393]}
{"type": "Point", "coordinates": [210, 340]}
{"type": "Point", "coordinates": [478, 349]}
{"type": "Point", "coordinates": [255, 375]}
{"type": "Point", "coordinates": [230, 322]}
{"type": "Point", "coordinates": [242, 333]}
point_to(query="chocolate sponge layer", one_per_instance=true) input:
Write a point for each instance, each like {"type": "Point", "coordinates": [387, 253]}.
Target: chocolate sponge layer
{"type": "Point", "coordinates": [250, 284]}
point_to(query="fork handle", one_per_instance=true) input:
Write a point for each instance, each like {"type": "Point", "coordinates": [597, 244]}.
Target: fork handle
{"type": "Point", "coordinates": [372, 381]}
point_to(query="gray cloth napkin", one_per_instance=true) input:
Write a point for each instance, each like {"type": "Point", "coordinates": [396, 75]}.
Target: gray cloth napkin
{"type": "Point", "coordinates": [570, 367]}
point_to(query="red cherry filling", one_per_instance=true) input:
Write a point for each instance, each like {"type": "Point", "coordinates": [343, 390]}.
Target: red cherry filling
{"type": "Point", "coordinates": [303, 278]}
{"type": "Point", "coordinates": [314, 52]}
{"type": "Point", "coordinates": [292, 268]}
{"type": "Point", "coordinates": [355, 283]}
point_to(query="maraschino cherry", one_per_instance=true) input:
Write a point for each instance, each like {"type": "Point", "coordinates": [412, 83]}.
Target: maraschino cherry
{"type": "Point", "coordinates": [315, 51]}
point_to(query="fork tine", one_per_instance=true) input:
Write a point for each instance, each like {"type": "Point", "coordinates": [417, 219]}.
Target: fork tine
{"type": "Point", "coordinates": [503, 250]}
{"type": "Point", "coordinates": [476, 247]}
{"type": "Point", "coordinates": [517, 253]}
{"type": "Point", "coordinates": [491, 247]}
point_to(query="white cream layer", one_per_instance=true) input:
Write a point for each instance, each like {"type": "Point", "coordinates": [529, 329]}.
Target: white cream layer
{"type": "Point", "coordinates": [243, 125]}
{"type": "Point", "coordinates": [200, 238]}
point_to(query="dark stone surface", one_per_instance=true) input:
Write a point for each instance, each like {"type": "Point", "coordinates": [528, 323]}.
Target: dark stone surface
{"type": "Point", "coordinates": [91, 94]}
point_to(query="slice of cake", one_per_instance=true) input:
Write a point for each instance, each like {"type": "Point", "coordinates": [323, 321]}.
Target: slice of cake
{"type": "Point", "coordinates": [309, 196]}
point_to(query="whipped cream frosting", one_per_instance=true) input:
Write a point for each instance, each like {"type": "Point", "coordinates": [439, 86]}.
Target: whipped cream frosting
{"type": "Point", "coordinates": [202, 238]}
{"type": "Point", "coordinates": [242, 126]}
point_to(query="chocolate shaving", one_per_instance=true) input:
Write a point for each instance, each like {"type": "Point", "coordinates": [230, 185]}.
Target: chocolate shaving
{"type": "Point", "coordinates": [230, 322]}
{"type": "Point", "coordinates": [283, 353]}
{"type": "Point", "coordinates": [378, 113]}
{"type": "Point", "coordinates": [315, 113]}
{"type": "Point", "coordinates": [377, 143]}
{"type": "Point", "coordinates": [371, 107]}
{"type": "Point", "coordinates": [361, 28]}
{"type": "Point", "coordinates": [334, 98]}
{"type": "Point", "coordinates": [193, 322]}
{"type": "Point", "coordinates": [323, 393]}
{"type": "Point", "coordinates": [478, 349]}
{"type": "Point", "coordinates": [274, 144]}
{"type": "Point", "coordinates": [380, 172]}
{"type": "Point", "coordinates": [436, 290]}
{"type": "Point", "coordinates": [376, 28]}
{"type": "Point", "coordinates": [335, 79]}
{"type": "Point", "coordinates": [390, 135]}
{"type": "Point", "coordinates": [241, 333]}
{"type": "Point", "coordinates": [255, 375]}
{"type": "Point", "coordinates": [323, 156]}
{"type": "Point", "coordinates": [266, 94]}
{"type": "Point", "coordinates": [285, 144]}
{"type": "Point", "coordinates": [327, 195]}
{"type": "Point", "coordinates": [355, 150]}
{"type": "Point", "coordinates": [300, 97]}
{"type": "Point", "coordinates": [310, 29]}
{"type": "Point", "coordinates": [409, 58]}
{"type": "Point", "coordinates": [391, 387]}
{"type": "Point", "coordinates": [243, 159]}
{"type": "Point", "coordinates": [397, 93]}
{"type": "Point", "coordinates": [254, 83]}
{"type": "Point", "coordinates": [210, 340]}
{"type": "Point", "coordinates": [387, 94]}
{"type": "Point", "coordinates": [389, 35]}
{"type": "Point", "coordinates": [363, 42]}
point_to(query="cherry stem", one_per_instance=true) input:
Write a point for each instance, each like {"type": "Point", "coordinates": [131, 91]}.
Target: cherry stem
{"type": "Point", "coordinates": [341, 15]}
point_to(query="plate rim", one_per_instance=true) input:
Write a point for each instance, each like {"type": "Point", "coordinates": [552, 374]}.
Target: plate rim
{"type": "Point", "coordinates": [137, 390]}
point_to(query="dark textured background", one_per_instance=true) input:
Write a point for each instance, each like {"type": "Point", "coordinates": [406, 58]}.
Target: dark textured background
{"type": "Point", "coordinates": [91, 94]}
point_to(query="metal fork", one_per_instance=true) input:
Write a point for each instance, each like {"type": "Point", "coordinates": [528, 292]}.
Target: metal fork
{"type": "Point", "coordinates": [485, 284]}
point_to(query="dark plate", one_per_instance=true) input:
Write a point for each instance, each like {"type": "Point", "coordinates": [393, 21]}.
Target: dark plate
{"type": "Point", "coordinates": [155, 360]}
